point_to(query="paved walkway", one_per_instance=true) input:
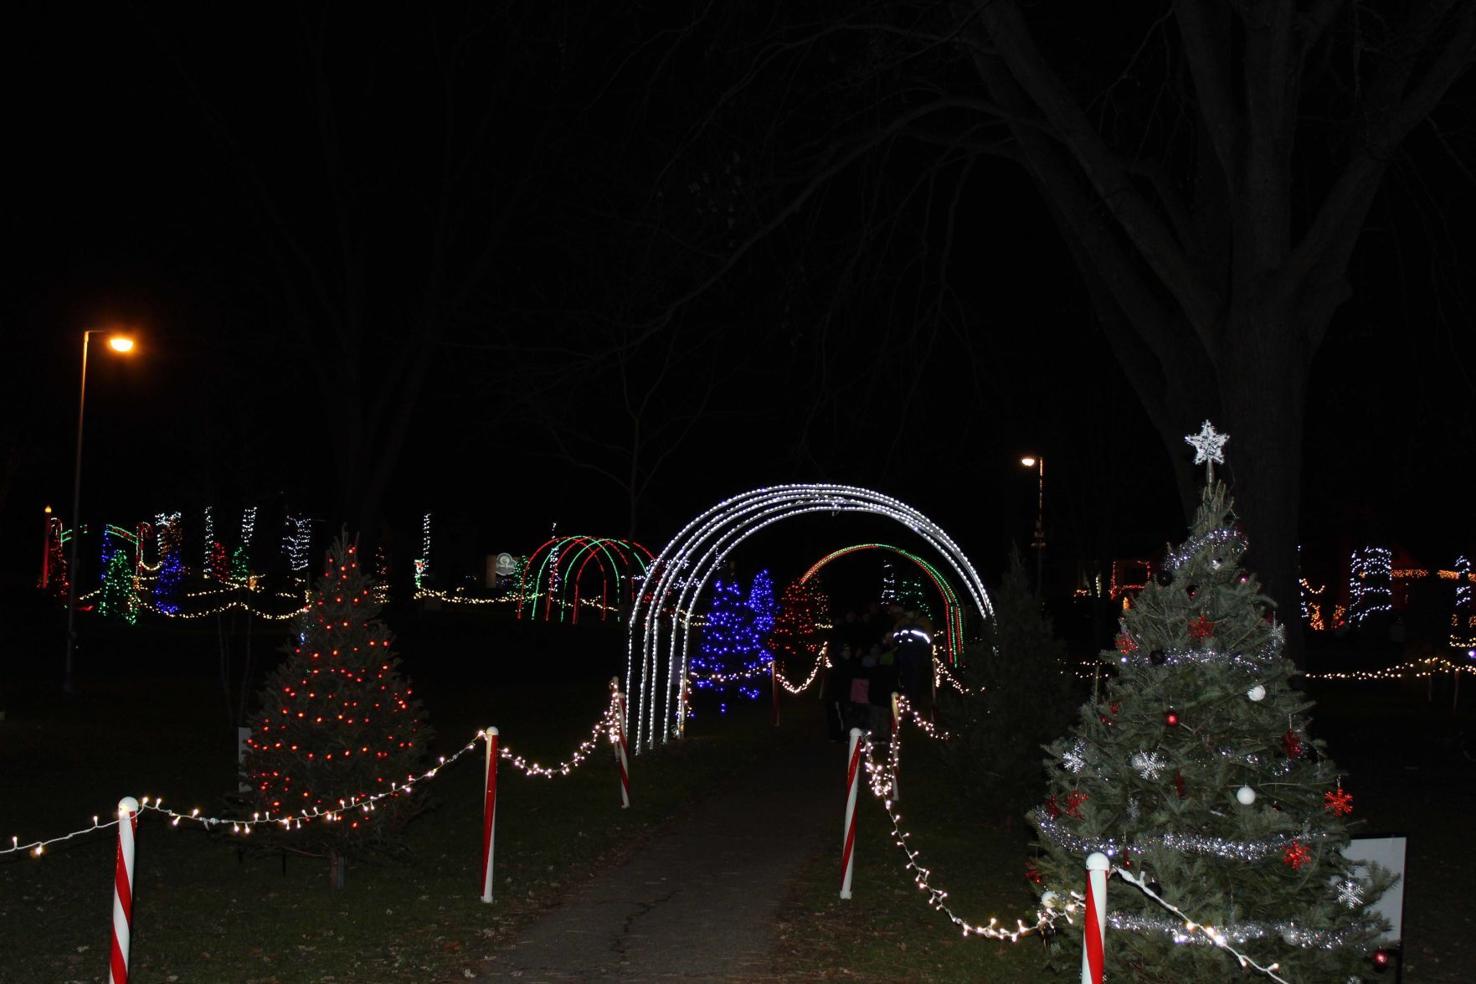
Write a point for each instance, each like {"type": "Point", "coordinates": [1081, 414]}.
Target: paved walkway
{"type": "Point", "coordinates": [699, 901]}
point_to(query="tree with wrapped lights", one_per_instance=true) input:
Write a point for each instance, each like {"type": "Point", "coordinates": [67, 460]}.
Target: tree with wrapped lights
{"type": "Point", "coordinates": [730, 653]}
{"type": "Point", "coordinates": [118, 598]}
{"type": "Point", "coordinates": [1194, 770]}
{"type": "Point", "coordinates": [338, 721]}
{"type": "Point", "coordinates": [798, 636]}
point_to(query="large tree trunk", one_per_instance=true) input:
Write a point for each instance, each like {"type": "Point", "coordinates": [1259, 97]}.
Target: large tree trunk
{"type": "Point", "coordinates": [1263, 374]}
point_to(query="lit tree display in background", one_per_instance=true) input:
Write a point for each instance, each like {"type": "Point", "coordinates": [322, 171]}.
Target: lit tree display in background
{"type": "Point", "coordinates": [337, 719]}
{"type": "Point", "coordinates": [730, 647]}
{"type": "Point", "coordinates": [799, 628]}
{"type": "Point", "coordinates": [118, 598]}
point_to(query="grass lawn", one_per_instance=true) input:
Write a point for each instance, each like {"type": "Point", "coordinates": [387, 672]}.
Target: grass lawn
{"type": "Point", "coordinates": [208, 910]}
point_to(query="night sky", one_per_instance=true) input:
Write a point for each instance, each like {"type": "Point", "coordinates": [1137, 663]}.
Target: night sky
{"type": "Point", "coordinates": [169, 170]}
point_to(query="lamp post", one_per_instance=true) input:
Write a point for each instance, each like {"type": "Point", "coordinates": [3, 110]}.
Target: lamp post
{"type": "Point", "coordinates": [123, 345]}
{"type": "Point", "coordinates": [1037, 543]}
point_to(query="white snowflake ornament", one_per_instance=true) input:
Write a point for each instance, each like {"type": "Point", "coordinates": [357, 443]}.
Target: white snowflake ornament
{"type": "Point", "coordinates": [1350, 893]}
{"type": "Point", "coordinates": [1075, 759]}
{"type": "Point", "coordinates": [1148, 764]}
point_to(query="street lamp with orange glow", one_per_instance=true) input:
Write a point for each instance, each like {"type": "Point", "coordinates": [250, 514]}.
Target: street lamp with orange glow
{"type": "Point", "coordinates": [1037, 461]}
{"type": "Point", "coordinates": [123, 344]}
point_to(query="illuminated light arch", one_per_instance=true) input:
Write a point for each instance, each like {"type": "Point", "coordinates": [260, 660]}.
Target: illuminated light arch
{"type": "Point", "coordinates": [687, 563]}
{"type": "Point", "coordinates": [554, 572]}
{"type": "Point", "coordinates": [952, 610]}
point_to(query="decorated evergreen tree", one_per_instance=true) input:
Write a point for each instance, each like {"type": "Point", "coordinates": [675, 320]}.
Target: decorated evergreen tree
{"type": "Point", "coordinates": [167, 585]}
{"type": "Point", "coordinates": [1193, 770]}
{"type": "Point", "coordinates": [731, 653]}
{"type": "Point", "coordinates": [118, 598]}
{"type": "Point", "coordinates": [337, 720]}
{"type": "Point", "coordinates": [798, 634]}
{"type": "Point", "coordinates": [219, 566]}
{"type": "Point", "coordinates": [1019, 696]}
{"type": "Point", "coordinates": [913, 598]}
{"type": "Point", "coordinates": [762, 604]}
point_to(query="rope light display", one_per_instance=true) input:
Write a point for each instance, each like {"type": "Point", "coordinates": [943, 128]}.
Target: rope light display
{"type": "Point", "coordinates": [658, 639]}
{"type": "Point", "coordinates": [952, 610]}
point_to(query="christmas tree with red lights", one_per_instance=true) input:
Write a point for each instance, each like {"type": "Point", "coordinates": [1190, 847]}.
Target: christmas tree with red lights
{"type": "Point", "coordinates": [338, 724]}
{"type": "Point", "coordinates": [799, 629]}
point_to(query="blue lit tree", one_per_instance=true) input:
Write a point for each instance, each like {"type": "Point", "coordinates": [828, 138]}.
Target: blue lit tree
{"type": "Point", "coordinates": [762, 604]}
{"type": "Point", "coordinates": [730, 655]}
{"type": "Point", "coordinates": [171, 567]}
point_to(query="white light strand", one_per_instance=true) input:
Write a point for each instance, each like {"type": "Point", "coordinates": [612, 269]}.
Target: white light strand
{"type": "Point", "coordinates": [1214, 935]}
{"type": "Point", "coordinates": [1416, 669]}
{"type": "Point", "coordinates": [688, 561]}
{"type": "Point", "coordinates": [882, 782]}
{"type": "Point", "coordinates": [608, 725]}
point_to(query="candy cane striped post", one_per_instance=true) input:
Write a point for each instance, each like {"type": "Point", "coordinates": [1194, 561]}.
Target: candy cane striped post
{"type": "Point", "coordinates": [123, 892]}
{"type": "Point", "coordinates": [774, 684]}
{"type": "Point", "coordinates": [489, 814]}
{"type": "Point", "coordinates": [1094, 928]}
{"type": "Point", "coordinates": [622, 758]}
{"type": "Point", "coordinates": [853, 785]}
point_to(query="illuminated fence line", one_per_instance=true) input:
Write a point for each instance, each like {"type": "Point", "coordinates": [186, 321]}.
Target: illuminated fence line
{"type": "Point", "coordinates": [608, 725]}
{"type": "Point", "coordinates": [1414, 669]}
{"type": "Point", "coordinates": [882, 779]}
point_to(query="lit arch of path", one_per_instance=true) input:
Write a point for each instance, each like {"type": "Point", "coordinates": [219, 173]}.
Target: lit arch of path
{"type": "Point", "coordinates": [560, 564]}
{"type": "Point", "coordinates": [952, 610]}
{"type": "Point", "coordinates": [655, 666]}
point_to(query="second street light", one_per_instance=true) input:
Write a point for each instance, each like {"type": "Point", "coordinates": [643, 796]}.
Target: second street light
{"type": "Point", "coordinates": [1038, 542]}
{"type": "Point", "coordinates": [123, 344]}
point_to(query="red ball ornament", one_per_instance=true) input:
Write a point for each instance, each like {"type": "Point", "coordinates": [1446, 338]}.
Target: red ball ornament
{"type": "Point", "coordinates": [1381, 959]}
{"type": "Point", "coordinates": [1032, 873]}
{"type": "Point", "coordinates": [1171, 718]}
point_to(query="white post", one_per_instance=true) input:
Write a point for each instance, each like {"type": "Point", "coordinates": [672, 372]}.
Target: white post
{"type": "Point", "coordinates": [853, 784]}
{"type": "Point", "coordinates": [622, 759]}
{"type": "Point", "coordinates": [1094, 926]}
{"type": "Point", "coordinates": [123, 891]}
{"type": "Point", "coordinates": [489, 814]}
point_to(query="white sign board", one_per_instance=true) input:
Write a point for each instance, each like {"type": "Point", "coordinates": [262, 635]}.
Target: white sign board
{"type": "Point", "coordinates": [1387, 853]}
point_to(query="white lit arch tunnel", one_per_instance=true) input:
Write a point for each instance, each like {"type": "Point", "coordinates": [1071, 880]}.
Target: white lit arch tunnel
{"type": "Point", "coordinates": [660, 623]}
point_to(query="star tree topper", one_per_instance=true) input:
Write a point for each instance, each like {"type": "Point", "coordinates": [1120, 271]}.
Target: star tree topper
{"type": "Point", "coordinates": [1209, 448]}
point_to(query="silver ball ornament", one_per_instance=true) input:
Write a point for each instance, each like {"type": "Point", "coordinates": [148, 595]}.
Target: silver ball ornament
{"type": "Point", "coordinates": [1245, 795]}
{"type": "Point", "coordinates": [1256, 693]}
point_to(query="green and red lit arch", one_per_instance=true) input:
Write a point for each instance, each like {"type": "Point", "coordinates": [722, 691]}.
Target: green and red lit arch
{"type": "Point", "coordinates": [558, 576]}
{"type": "Point", "coordinates": [952, 611]}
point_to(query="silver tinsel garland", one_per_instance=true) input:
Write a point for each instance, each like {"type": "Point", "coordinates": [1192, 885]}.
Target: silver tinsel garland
{"type": "Point", "coordinates": [1287, 932]}
{"type": "Point", "coordinates": [1178, 558]}
{"type": "Point", "coordinates": [1257, 662]}
{"type": "Point", "coordinates": [1220, 847]}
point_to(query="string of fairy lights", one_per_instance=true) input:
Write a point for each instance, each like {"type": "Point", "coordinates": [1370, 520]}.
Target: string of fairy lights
{"type": "Point", "coordinates": [606, 728]}
{"type": "Point", "coordinates": [882, 780]}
